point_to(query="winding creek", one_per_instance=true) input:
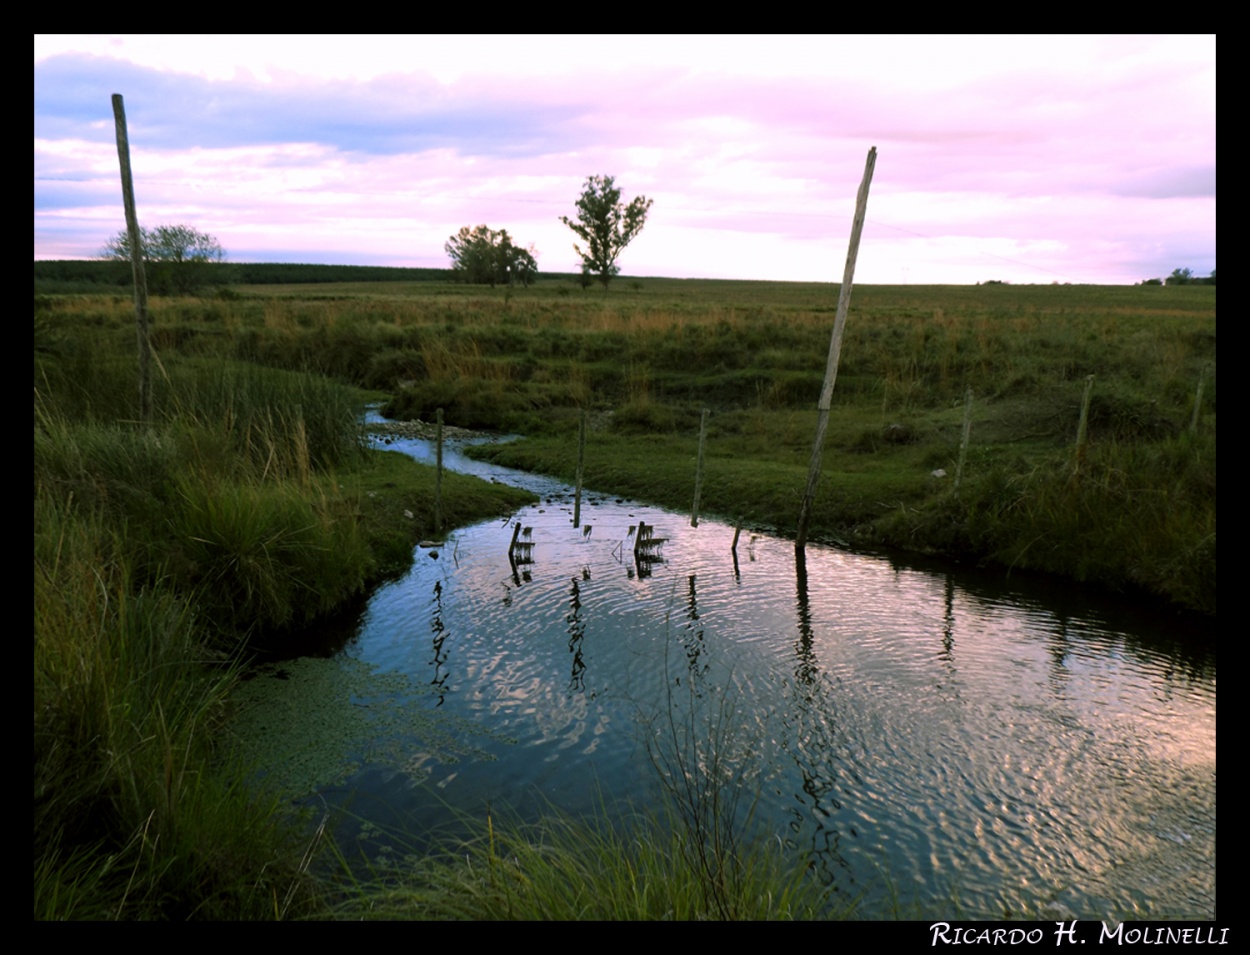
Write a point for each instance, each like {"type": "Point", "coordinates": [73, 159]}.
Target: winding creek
{"type": "Point", "coordinates": [1021, 748]}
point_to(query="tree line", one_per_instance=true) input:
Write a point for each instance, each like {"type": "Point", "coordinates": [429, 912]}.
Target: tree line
{"type": "Point", "coordinates": [180, 259]}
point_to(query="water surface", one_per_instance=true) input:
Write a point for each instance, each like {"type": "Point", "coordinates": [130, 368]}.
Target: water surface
{"type": "Point", "coordinates": [1024, 749]}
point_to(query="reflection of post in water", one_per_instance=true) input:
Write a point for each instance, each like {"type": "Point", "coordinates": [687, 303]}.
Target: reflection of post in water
{"type": "Point", "coordinates": [520, 551]}
{"type": "Point", "coordinates": [1060, 647]}
{"type": "Point", "coordinates": [440, 636]}
{"type": "Point", "coordinates": [647, 548]}
{"type": "Point", "coordinates": [807, 669]}
{"type": "Point", "coordinates": [948, 623]}
{"type": "Point", "coordinates": [812, 739]}
{"type": "Point", "coordinates": [693, 641]}
{"type": "Point", "coordinates": [577, 633]}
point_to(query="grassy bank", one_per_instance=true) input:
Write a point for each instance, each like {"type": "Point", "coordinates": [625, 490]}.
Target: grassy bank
{"type": "Point", "coordinates": [646, 357]}
{"type": "Point", "coordinates": [164, 557]}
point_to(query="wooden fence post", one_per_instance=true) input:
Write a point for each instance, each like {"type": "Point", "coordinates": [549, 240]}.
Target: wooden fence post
{"type": "Point", "coordinates": [963, 440]}
{"type": "Point", "coordinates": [438, 473]}
{"type": "Point", "coordinates": [1082, 425]}
{"type": "Point", "coordinates": [835, 350]}
{"type": "Point", "coordinates": [581, 462]}
{"type": "Point", "coordinates": [1193, 422]}
{"type": "Point", "coordinates": [142, 326]}
{"type": "Point", "coordinates": [698, 470]}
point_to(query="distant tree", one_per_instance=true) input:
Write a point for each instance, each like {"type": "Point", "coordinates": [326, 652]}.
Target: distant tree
{"type": "Point", "coordinates": [1181, 277]}
{"type": "Point", "coordinates": [483, 256]}
{"type": "Point", "coordinates": [178, 258]}
{"type": "Point", "coordinates": [605, 225]}
{"type": "Point", "coordinates": [1152, 282]}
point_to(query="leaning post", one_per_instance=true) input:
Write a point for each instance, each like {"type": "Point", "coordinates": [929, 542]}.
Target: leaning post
{"type": "Point", "coordinates": [835, 350]}
{"type": "Point", "coordinates": [142, 325]}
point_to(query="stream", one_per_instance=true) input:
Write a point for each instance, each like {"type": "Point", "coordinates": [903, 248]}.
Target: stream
{"type": "Point", "coordinates": [919, 734]}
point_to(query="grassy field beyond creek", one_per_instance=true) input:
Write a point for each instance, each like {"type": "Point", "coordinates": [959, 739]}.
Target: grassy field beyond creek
{"type": "Point", "coordinates": [165, 556]}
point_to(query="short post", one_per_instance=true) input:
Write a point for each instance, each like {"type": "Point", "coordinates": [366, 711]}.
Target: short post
{"type": "Point", "coordinates": [136, 262]}
{"type": "Point", "coordinates": [516, 532]}
{"type": "Point", "coordinates": [963, 440]}
{"type": "Point", "coordinates": [581, 462]}
{"type": "Point", "coordinates": [1193, 422]}
{"type": "Point", "coordinates": [737, 532]}
{"type": "Point", "coordinates": [438, 473]}
{"type": "Point", "coordinates": [698, 470]}
{"type": "Point", "coordinates": [835, 351]}
{"type": "Point", "coordinates": [1082, 426]}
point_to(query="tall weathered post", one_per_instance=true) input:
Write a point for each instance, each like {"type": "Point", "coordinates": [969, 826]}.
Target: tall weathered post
{"type": "Point", "coordinates": [698, 470]}
{"type": "Point", "coordinates": [835, 350]}
{"type": "Point", "coordinates": [142, 326]}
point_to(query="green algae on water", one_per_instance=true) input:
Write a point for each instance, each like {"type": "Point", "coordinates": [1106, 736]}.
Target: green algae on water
{"type": "Point", "coordinates": [310, 723]}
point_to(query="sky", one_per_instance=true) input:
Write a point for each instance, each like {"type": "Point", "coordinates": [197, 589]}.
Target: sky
{"type": "Point", "coordinates": [1022, 159]}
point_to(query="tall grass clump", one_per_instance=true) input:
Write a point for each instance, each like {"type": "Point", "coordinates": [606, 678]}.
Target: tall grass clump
{"type": "Point", "coordinates": [264, 556]}
{"type": "Point", "coordinates": [129, 821]}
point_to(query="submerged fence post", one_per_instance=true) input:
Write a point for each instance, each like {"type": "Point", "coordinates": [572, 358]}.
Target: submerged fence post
{"type": "Point", "coordinates": [581, 461]}
{"type": "Point", "coordinates": [438, 473]}
{"type": "Point", "coordinates": [698, 470]}
{"type": "Point", "coordinates": [1081, 427]}
{"type": "Point", "coordinates": [142, 326]}
{"type": "Point", "coordinates": [963, 440]}
{"type": "Point", "coordinates": [835, 350]}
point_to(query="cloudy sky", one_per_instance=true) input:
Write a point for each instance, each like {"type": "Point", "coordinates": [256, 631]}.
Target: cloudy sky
{"type": "Point", "coordinates": [1026, 159]}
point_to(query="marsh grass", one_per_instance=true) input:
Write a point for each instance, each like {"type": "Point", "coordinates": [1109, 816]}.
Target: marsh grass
{"type": "Point", "coordinates": [162, 557]}
{"type": "Point", "coordinates": [128, 820]}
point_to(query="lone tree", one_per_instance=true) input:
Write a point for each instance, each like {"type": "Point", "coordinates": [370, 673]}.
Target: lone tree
{"type": "Point", "coordinates": [605, 225]}
{"type": "Point", "coordinates": [484, 256]}
{"type": "Point", "coordinates": [179, 258]}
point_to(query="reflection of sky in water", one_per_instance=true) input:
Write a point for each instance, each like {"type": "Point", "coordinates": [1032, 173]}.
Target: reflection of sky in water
{"type": "Point", "coordinates": [964, 742]}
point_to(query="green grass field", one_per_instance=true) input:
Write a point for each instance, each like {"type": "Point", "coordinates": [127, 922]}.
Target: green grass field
{"type": "Point", "coordinates": [644, 359]}
{"type": "Point", "coordinates": [164, 555]}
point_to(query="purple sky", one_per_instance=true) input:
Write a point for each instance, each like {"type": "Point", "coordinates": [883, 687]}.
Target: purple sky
{"type": "Point", "coordinates": [1025, 159]}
